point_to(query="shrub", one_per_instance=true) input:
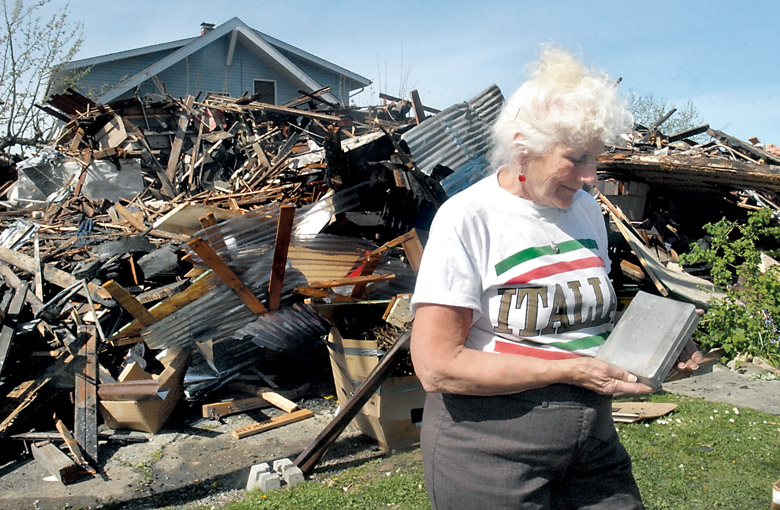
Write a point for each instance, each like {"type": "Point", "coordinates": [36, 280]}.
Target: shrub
{"type": "Point", "coordinates": [747, 319]}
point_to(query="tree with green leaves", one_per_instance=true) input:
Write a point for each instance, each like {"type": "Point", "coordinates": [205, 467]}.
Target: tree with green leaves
{"type": "Point", "coordinates": [35, 43]}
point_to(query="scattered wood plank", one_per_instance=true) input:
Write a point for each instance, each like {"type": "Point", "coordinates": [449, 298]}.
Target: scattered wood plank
{"type": "Point", "coordinates": [271, 397]}
{"type": "Point", "coordinates": [352, 280]}
{"type": "Point", "coordinates": [141, 226]}
{"type": "Point", "coordinates": [272, 423]}
{"type": "Point", "coordinates": [632, 271]}
{"type": "Point", "coordinates": [215, 262]}
{"type": "Point", "coordinates": [10, 322]}
{"type": "Point", "coordinates": [281, 246]}
{"type": "Point", "coordinates": [56, 462]}
{"type": "Point", "coordinates": [200, 286]}
{"type": "Point", "coordinates": [419, 111]}
{"type": "Point", "coordinates": [130, 303]}
{"type": "Point", "coordinates": [72, 445]}
{"type": "Point", "coordinates": [219, 410]}
{"type": "Point", "coordinates": [85, 394]}
{"type": "Point", "coordinates": [14, 281]}
{"type": "Point", "coordinates": [51, 274]}
{"type": "Point", "coordinates": [184, 120]}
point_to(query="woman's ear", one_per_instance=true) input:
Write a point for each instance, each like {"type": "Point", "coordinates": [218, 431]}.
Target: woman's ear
{"type": "Point", "coordinates": [519, 151]}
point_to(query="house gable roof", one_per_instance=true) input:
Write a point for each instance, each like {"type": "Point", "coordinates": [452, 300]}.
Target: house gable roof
{"type": "Point", "coordinates": [265, 47]}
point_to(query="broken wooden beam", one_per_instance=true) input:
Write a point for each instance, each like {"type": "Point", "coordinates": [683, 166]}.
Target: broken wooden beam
{"type": "Point", "coordinates": [141, 226]}
{"type": "Point", "coordinates": [219, 410]}
{"type": "Point", "coordinates": [221, 269]}
{"type": "Point", "coordinates": [85, 394]}
{"type": "Point", "coordinates": [130, 303]}
{"type": "Point", "coordinates": [56, 462]}
{"type": "Point", "coordinates": [178, 140]}
{"type": "Point", "coordinates": [419, 113]}
{"type": "Point", "coordinates": [51, 274]}
{"type": "Point", "coordinates": [10, 323]}
{"type": "Point", "coordinates": [281, 247]}
{"type": "Point", "coordinates": [72, 445]}
{"type": "Point", "coordinates": [351, 280]}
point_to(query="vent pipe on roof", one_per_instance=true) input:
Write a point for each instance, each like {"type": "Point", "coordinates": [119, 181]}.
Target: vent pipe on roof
{"type": "Point", "coordinates": [206, 27]}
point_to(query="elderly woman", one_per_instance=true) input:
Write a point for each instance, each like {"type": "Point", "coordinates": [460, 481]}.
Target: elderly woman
{"type": "Point", "coordinates": [512, 302]}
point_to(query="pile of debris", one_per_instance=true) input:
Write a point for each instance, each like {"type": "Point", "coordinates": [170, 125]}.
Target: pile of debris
{"type": "Point", "coordinates": [159, 237]}
{"type": "Point", "coordinates": [162, 248]}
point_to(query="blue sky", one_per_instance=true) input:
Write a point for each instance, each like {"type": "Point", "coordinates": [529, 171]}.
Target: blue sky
{"type": "Point", "coordinates": [721, 55]}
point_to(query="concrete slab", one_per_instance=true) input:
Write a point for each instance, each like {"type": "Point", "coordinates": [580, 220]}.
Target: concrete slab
{"type": "Point", "coordinates": [717, 383]}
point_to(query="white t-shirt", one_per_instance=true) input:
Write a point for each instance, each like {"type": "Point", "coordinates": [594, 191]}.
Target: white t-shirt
{"type": "Point", "coordinates": [535, 276]}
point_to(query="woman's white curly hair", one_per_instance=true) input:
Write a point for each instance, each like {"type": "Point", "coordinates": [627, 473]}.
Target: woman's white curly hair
{"type": "Point", "coordinates": [563, 102]}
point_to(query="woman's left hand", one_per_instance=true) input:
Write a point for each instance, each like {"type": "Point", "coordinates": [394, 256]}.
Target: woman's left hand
{"type": "Point", "coordinates": [690, 357]}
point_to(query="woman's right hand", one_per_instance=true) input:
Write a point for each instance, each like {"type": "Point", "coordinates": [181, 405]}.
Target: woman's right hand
{"type": "Point", "coordinates": [603, 378]}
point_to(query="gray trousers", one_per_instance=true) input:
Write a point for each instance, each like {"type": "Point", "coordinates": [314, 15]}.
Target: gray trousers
{"type": "Point", "coordinates": [550, 448]}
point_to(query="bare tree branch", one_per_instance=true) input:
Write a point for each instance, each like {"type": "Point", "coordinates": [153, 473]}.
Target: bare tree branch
{"type": "Point", "coordinates": [32, 50]}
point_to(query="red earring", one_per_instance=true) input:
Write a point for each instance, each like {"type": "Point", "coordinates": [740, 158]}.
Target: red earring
{"type": "Point", "coordinates": [521, 178]}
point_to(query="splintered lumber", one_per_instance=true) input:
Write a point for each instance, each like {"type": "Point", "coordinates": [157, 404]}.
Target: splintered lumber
{"type": "Point", "coordinates": [279, 401]}
{"type": "Point", "coordinates": [413, 249]}
{"type": "Point", "coordinates": [184, 120]}
{"type": "Point", "coordinates": [164, 308]}
{"type": "Point", "coordinates": [51, 274]}
{"type": "Point", "coordinates": [411, 244]}
{"type": "Point", "coordinates": [351, 280]}
{"type": "Point", "coordinates": [281, 246]}
{"type": "Point", "coordinates": [209, 220]}
{"type": "Point", "coordinates": [56, 462]}
{"type": "Point", "coordinates": [419, 113]}
{"type": "Point", "coordinates": [25, 399]}
{"type": "Point", "coordinates": [14, 281]}
{"type": "Point", "coordinates": [85, 394]}
{"type": "Point", "coordinates": [129, 303]}
{"type": "Point", "coordinates": [308, 458]}
{"type": "Point", "coordinates": [272, 423]}
{"type": "Point", "coordinates": [141, 226]}
{"type": "Point", "coordinates": [367, 269]}
{"type": "Point", "coordinates": [271, 397]}
{"type": "Point", "coordinates": [56, 436]}
{"type": "Point", "coordinates": [219, 410]}
{"type": "Point", "coordinates": [72, 445]}
{"type": "Point", "coordinates": [9, 324]}
{"type": "Point", "coordinates": [624, 230]}
{"type": "Point", "coordinates": [632, 270]}
{"type": "Point", "coordinates": [215, 262]}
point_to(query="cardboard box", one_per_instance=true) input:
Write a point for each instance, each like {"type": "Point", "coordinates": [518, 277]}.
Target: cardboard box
{"type": "Point", "coordinates": [393, 414]}
{"type": "Point", "coordinates": [148, 415]}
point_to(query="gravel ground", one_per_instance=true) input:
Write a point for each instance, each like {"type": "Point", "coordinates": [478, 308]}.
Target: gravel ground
{"type": "Point", "coordinates": [193, 462]}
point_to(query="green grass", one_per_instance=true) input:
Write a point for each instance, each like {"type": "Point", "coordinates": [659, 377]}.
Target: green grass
{"type": "Point", "coordinates": [703, 455]}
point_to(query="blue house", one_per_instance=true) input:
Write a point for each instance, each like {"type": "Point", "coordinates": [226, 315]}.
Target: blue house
{"type": "Point", "coordinates": [230, 59]}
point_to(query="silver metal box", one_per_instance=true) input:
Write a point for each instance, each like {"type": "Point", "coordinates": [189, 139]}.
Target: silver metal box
{"type": "Point", "coordinates": [650, 336]}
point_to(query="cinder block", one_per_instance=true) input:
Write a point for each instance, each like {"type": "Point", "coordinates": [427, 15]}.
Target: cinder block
{"type": "Point", "coordinates": [269, 482]}
{"type": "Point", "coordinates": [279, 465]}
{"type": "Point", "coordinates": [292, 475]}
{"type": "Point", "coordinates": [254, 475]}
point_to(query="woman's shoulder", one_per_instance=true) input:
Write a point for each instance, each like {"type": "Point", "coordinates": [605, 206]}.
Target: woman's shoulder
{"type": "Point", "coordinates": [477, 195]}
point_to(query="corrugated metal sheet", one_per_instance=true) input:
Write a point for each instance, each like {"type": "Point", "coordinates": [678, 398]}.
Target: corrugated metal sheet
{"type": "Point", "coordinates": [458, 138]}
